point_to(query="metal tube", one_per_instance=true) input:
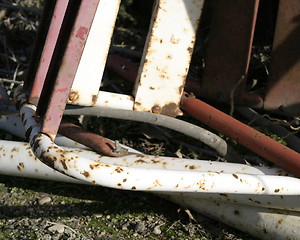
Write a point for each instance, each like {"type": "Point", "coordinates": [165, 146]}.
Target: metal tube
{"type": "Point", "coordinates": [209, 138]}
{"type": "Point", "coordinates": [243, 134]}
{"type": "Point", "coordinates": [94, 141]}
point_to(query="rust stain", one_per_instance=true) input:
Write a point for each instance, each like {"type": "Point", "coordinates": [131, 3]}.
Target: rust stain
{"type": "Point", "coordinates": [73, 96]}
{"type": "Point", "coordinates": [63, 162]}
{"type": "Point", "coordinates": [236, 212]}
{"type": "Point", "coordinates": [140, 161]}
{"type": "Point", "coordinates": [133, 188]}
{"type": "Point", "coordinates": [86, 174]}
{"type": "Point", "coordinates": [236, 176]}
{"type": "Point", "coordinates": [119, 170]}
{"type": "Point", "coordinates": [94, 99]}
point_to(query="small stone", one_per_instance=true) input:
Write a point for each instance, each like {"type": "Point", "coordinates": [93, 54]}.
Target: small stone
{"type": "Point", "coordinates": [156, 230]}
{"type": "Point", "coordinates": [57, 228]}
{"type": "Point", "coordinates": [97, 215]}
{"type": "Point", "coordinates": [140, 227]}
{"type": "Point", "coordinates": [44, 200]}
{"type": "Point", "coordinates": [125, 226]}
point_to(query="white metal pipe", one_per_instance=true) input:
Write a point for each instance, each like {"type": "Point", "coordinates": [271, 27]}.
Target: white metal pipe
{"type": "Point", "coordinates": [88, 77]}
{"type": "Point", "coordinates": [263, 223]}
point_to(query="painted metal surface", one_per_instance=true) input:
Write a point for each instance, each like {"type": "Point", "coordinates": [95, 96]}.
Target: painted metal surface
{"type": "Point", "coordinates": [47, 53]}
{"type": "Point", "coordinates": [88, 77]}
{"type": "Point", "coordinates": [91, 140]}
{"type": "Point", "coordinates": [114, 100]}
{"type": "Point", "coordinates": [283, 92]}
{"type": "Point", "coordinates": [235, 188]}
{"type": "Point", "coordinates": [228, 53]}
{"type": "Point", "coordinates": [167, 54]}
{"type": "Point", "coordinates": [54, 100]}
{"type": "Point", "coordinates": [264, 223]}
{"type": "Point", "coordinates": [243, 134]}
{"type": "Point", "coordinates": [38, 46]}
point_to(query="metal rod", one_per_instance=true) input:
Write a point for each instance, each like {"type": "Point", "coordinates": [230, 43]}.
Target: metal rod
{"type": "Point", "coordinates": [243, 134]}
{"type": "Point", "coordinates": [94, 141]}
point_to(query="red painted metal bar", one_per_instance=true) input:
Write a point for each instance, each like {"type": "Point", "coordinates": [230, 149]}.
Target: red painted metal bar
{"type": "Point", "coordinates": [50, 43]}
{"type": "Point", "coordinates": [283, 92]}
{"type": "Point", "coordinates": [229, 49]}
{"type": "Point", "coordinates": [129, 70]}
{"type": "Point", "coordinates": [92, 140]}
{"type": "Point", "coordinates": [39, 44]}
{"type": "Point", "coordinates": [125, 68]}
{"type": "Point", "coordinates": [243, 134]}
{"type": "Point", "coordinates": [55, 94]}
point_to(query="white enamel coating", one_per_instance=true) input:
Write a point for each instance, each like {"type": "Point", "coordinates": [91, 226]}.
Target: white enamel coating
{"type": "Point", "coordinates": [167, 56]}
{"type": "Point", "coordinates": [114, 100]}
{"type": "Point", "coordinates": [88, 77]}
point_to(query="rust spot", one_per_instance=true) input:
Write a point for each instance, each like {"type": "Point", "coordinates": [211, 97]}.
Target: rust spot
{"type": "Point", "coordinates": [48, 160]}
{"type": "Point", "coordinates": [192, 167]}
{"type": "Point", "coordinates": [133, 188]}
{"type": "Point", "coordinates": [276, 190]}
{"type": "Point", "coordinates": [125, 179]}
{"type": "Point", "coordinates": [170, 109]}
{"type": "Point", "coordinates": [119, 170]}
{"type": "Point", "coordinates": [157, 182]}
{"type": "Point", "coordinates": [73, 96]}
{"type": "Point", "coordinates": [151, 88]}
{"type": "Point", "coordinates": [280, 221]}
{"type": "Point", "coordinates": [236, 212]}
{"type": "Point", "coordinates": [156, 109]}
{"type": "Point", "coordinates": [86, 174]}
{"type": "Point", "coordinates": [236, 176]}
{"type": "Point", "coordinates": [15, 149]}
{"type": "Point", "coordinates": [81, 32]}
{"type": "Point", "coordinates": [19, 168]}
{"type": "Point", "coordinates": [140, 161]}
{"type": "Point", "coordinates": [190, 50]}
{"type": "Point", "coordinates": [154, 161]}
{"type": "Point", "coordinates": [36, 170]}
{"type": "Point", "coordinates": [63, 162]}
{"type": "Point", "coordinates": [223, 195]}
{"type": "Point", "coordinates": [36, 144]}
{"type": "Point", "coordinates": [119, 184]}
{"type": "Point", "coordinates": [94, 99]}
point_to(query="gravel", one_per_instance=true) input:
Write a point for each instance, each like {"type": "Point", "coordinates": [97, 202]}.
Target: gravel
{"type": "Point", "coordinates": [37, 209]}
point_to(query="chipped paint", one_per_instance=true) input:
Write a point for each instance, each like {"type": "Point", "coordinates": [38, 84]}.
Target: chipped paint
{"type": "Point", "coordinates": [93, 59]}
{"type": "Point", "coordinates": [166, 56]}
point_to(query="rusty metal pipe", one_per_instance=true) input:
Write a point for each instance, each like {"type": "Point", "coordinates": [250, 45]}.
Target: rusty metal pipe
{"type": "Point", "coordinates": [243, 134]}
{"type": "Point", "coordinates": [91, 140]}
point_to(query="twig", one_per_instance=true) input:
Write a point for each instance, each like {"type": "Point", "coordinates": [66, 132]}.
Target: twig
{"type": "Point", "coordinates": [19, 7]}
{"type": "Point", "coordinates": [54, 223]}
{"type": "Point", "coordinates": [10, 81]}
{"type": "Point", "coordinates": [236, 85]}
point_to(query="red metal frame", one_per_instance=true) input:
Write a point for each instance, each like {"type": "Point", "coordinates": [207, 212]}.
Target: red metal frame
{"type": "Point", "coordinates": [283, 93]}
{"type": "Point", "coordinates": [229, 49]}
{"type": "Point", "coordinates": [55, 94]}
